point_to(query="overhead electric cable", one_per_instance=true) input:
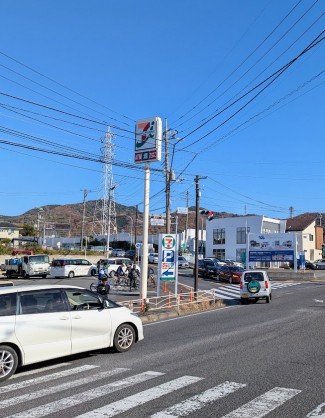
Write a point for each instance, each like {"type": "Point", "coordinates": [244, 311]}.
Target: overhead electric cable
{"type": "Point", "coordinates": [65, 87]}
{"type": "Point", "coordinates": [243, 62]}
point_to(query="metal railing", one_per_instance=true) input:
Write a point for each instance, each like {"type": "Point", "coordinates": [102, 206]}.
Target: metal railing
{"type": "Point", "coordinates": [182, 300]}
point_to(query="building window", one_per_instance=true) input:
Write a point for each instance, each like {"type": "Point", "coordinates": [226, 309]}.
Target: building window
{"type": "Point", "coordinates": [219, 236]}
{"type": "Point", "coordinates": [219, 254]}
{"type": "Point", "coordinates": [270, 228]}
{"type": "Point", "coordinates": [311, 237]}
{"type": "Point", "coordinates": [241, 235]}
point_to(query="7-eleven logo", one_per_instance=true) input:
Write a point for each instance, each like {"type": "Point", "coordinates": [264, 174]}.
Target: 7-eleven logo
{"type": "Point", "coordinates": [168, 242]}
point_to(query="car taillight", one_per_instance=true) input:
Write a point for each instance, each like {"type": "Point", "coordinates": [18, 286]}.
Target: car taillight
{"type": "Point", "coordinates": [241, 285]}
{"type": "Point", "coordinates": [266, 285]}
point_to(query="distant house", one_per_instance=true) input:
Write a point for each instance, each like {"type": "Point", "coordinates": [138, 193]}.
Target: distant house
{"type": "Point", "coordinates": [309, 234]}
{"type": "Point", "coordinates": [8, 230]}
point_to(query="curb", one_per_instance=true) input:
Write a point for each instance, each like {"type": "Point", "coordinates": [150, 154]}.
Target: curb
{"type": "Point", "coordinates": [174, 313]}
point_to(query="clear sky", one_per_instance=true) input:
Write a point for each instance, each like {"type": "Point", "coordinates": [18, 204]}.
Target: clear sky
{"type": "Point", "coordinates": [241, 81]}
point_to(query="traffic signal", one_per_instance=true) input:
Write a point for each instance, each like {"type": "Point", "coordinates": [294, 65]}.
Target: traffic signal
{"type": "Point", "coordinates": [204, 212]}
{"type": "Point", "coordinates": [207, 213]}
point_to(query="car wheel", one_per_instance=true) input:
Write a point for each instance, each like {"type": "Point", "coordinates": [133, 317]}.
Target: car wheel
{"type": "Point", "coordinates": [267, 299]}
{"type": "Point", "coordinates": [243, 301]}
{"type": "Point", "coordinates": [124, 338]}
{"type": "Point", "coordinates": [255, 300]}
{"type": "Point", "coordinates": [44, 276]}
{"type": "Point", "coordinates": [71, 275]}
{"type": "Point", "coordinates": [25, 275]}
{"type": "Point", "coordinates": [93, 272]}
{"type": "Point", "coordinates": [8, 362]}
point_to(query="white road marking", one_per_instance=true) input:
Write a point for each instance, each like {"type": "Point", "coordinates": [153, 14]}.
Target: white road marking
{"type": "Point", "coordinates": [264, 404]}
{"type": "Point", "coordinates": [40, 370]}
{"type": "Point", "coordinates": [318, 412]}
{"type": "Point", "coordinates": [55, 389]}
{"type": "Point", "coordinates": [85, 396]}
{"type": "Point", "coordinates": [140, 398]}
{"type": "Point", "coordinates": [46, 378]}
{"type": "Point", "coordinates": [199, 401]}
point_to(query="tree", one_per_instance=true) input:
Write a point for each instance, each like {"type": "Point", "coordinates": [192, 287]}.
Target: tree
{"type": "Point", "coordinates": [28, 231]}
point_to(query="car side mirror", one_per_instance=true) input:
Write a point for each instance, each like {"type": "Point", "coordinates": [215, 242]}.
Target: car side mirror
{"type": "Point", "coordinates": [106, 304]}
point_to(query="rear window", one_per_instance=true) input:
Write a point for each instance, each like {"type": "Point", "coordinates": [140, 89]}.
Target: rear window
{"type": "Point", "coordinates": [254, 276]}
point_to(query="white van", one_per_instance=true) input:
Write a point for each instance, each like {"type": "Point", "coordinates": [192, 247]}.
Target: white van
{"type": "Point", "coordinates": [72, 267]}
{"type": "Point", "coordinates": [43, 322]}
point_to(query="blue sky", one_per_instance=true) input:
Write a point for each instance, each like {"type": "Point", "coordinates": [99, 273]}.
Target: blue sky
{"type": "Point", "coordinates": [233, 77]}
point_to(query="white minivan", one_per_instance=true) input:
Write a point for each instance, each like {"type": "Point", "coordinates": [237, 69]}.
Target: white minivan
{"type": "Point", "coordinates": [72, 267]}
{"type": "Point", "coordinates": [43, 322]}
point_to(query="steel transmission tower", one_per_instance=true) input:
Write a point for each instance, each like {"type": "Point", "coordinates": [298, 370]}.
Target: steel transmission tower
{"type": "Point", "coordinates": [104, 222]}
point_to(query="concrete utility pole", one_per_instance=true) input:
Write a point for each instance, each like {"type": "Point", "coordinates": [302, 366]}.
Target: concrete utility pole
{"type": "Point", "coordinates": [197, 210]}
{"type": "Point", "coordinates": [85, 192]}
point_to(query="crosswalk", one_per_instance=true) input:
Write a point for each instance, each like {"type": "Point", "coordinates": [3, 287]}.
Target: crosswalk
{"type": "Point", "coordinates": [231, 291]}
{"type": "Point", "coordinates": [55, 397]}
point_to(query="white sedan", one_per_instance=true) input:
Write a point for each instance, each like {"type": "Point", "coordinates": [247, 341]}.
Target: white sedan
{"type": "Point", "coordinates": [153, 258]}
{"type": "Point", "coordinates": [182, 262]}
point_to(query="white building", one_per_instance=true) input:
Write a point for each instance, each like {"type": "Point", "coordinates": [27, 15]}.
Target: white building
{"type": "Point", "coordinates": [226, 237]}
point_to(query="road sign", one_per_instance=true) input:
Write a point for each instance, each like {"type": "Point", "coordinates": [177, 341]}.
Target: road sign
{"type": "Point", "coordinates": [138, 245]}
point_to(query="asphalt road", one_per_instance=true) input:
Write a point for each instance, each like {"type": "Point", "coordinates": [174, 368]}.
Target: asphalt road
{"type": "Point", "coordinates": [240, 361]}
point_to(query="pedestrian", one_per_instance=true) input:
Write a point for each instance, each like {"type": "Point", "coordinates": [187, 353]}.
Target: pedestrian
{"type": "Point", "coordinates": [133, 275]}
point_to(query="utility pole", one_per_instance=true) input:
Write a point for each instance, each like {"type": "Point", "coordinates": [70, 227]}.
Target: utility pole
{"type": "Point", "coordinates": [167, 173]}
{"type": "Point", "coordinates": [186, 224]}
{"type": "Point", "coordinates": [135, 233]}
{"type": "Point", "coordinates": [85, 191]}
{"type": "Point", "coordinates": [197, 210]}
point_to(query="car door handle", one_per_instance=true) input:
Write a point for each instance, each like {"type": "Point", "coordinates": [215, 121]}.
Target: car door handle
{"type": "Point", "coordinates": [76, 317]}
{"type": "Point", "coordinates": [64, 318]}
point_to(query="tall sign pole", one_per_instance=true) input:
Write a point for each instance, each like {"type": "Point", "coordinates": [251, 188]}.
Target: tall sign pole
{"type": "Point", "coordinates": [148, 139]}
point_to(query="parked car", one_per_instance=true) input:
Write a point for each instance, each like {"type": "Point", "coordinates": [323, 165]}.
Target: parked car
{"type": "Point", "coordinates": [308, 265]}
{"type": "Point", "coordinates": [255, 285]}
{"type": "Point", "coordinates": [208, 268]}
{"type": "Point", "coordinates": [319, 264]}
{"type": "Point", "coordinates": [72, 267]}
{"type": "Point", "coordinates": [111, 264]}
{"type": "Point", "coordinates": [24, 311]}
{"type": "Point", "coordinates": [182, 262]}
{"type": "Point", "coordinates": [130, 254]}
{"type": "Point", "coordinates": [118, 252]}
{"type": "Point", "coordinates": [153, 258]}
{"type": "Point", "coordinates": [230, 273]}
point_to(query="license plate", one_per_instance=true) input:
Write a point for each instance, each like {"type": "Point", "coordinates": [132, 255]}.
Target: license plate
{"type": "Point", "coordinates": [244, 295]}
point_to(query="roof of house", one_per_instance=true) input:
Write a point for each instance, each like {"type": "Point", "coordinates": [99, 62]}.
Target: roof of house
{"type": "Point", "coordinates": [301, 222]}
{"type": "Point", "coordinates": [8, 225]}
